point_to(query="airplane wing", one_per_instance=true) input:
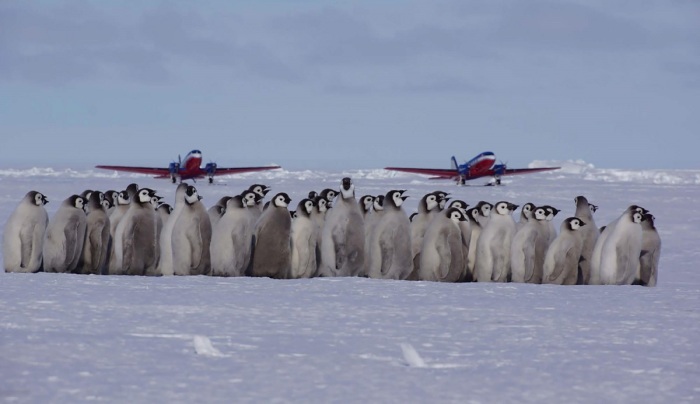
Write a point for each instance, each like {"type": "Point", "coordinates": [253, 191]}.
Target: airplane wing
{"type": "Point", "coordinates": [515, 171]}
{"type": "Point", "coordinates": [443, 173]}
{"type": "Point", "coordinates": [139, 170]}
{"type": "Point", "coordinates": [240, 170]}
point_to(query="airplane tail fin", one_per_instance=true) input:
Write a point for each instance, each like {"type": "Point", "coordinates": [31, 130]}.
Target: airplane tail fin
{"type": "Point", "coordinates": [455, 166]}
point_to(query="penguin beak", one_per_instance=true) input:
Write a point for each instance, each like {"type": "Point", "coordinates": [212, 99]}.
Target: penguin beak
{"type": "Point", "coordinates": [404, 197]}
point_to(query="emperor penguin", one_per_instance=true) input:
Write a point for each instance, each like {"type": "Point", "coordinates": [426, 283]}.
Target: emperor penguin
{"type": "Point", "coordinates": [161, 211]}
{"type": "Point", "coordinates": [371, 219]}
{"type": "Point", "coordinates": [564, 254]}
{"type": "Point", "coordinates": [303, 241]}
{"type": "Point", "coordinates": [96, 246]}
{"type": "Point", "coordinates": [390, 241]}
{"type": "Point", "coordinates": [23, 236]}
{"type": "Point", "coordinates": [191, 238]}
{"type": "Point", "coordinates": [232, 236]}
{"type": "Point", "coordinates": [65, 235]}
{"type": "Point", "coordinates": [136, 241]}
{"type": "Point", "coordinates": [475, 231]}
{"type": "Point", "coordinates": [584, 211]}
{"type": "Point", "coordinates": [442, 257]}
{"type": "Point", "coordinates": [465, 228]}
{"type": "Point", "coordinates": [651, 252]}
{"type": "Point", "coordinates": [529, 248]}
{"type": "Point", "coordinates": [551, 212]}
{"type": "Point", "coordinates": [493, 246]}
{"type": "Point", "coordinates": [272, 255]}
{"type": "Point", "coordinates": [343, 248]}
{"type": "Point", "coordinates": [112, 196]}
{"type": "Point", "coordinates": [318, 218]}
{"type": "Point", "coordinates": [124, 199]}
{"type": "Point", "coordinates": [217, 210]}
{"type": "Point", "coordinates": [525, 214]}
{"type": "Point", "coordinates": [329, 195]}
{"type": "Point", "coordinates": [106, 206]}
{"type": "Point", "coordinates": [428, 208]}
{"type": "Point", "coordinates": [443, 197]}
{"type": "Point", "coordinates": [86, 196]}
{"type": "Point", "coordinates": [605, 231]}
{"type": "Point", "coordinates": [619, 256]}
{"type": "Point", "coordinates": [260, 190]}
{"type": "Point", "coordinates": [366, 203]}
{"type": "Point", "coordinates": [165, 263]}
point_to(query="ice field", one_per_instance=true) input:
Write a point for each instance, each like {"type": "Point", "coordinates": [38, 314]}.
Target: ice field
{"type": "Point", "coordinates": [75, 338]}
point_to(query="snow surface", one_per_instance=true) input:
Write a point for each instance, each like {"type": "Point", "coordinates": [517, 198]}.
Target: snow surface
{"type": "Point", "coordinates": [75, 338]}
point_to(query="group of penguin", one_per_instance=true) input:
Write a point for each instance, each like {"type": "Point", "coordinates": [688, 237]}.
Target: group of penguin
{"type": "Point", "coordinates": [329, 234]}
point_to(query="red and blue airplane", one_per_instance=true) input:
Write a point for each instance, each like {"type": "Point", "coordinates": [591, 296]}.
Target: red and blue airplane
{"type": "Point", "coordinates": [188, 169]}
{"type": "Point", "coordinates": [483, 165]}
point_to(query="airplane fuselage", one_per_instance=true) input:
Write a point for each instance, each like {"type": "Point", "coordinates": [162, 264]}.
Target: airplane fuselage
{"type": "Point", "coordinates": [480, 165]}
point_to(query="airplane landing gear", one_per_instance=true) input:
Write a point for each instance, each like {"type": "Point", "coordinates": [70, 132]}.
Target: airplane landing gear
{"type": "Point", "coordinates": [211, 180]}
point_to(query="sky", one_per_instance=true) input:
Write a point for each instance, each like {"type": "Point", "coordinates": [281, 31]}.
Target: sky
{"type": "Point", "coordinates": [363, 84]}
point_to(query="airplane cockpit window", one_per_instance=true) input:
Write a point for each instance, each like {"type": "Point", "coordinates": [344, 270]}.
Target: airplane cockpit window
{"type": "Point", "coordinates": [195, 152]}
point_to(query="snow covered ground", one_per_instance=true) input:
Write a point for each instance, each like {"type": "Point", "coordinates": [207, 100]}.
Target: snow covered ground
{"type": "Point", "coordinates": [72, 338]}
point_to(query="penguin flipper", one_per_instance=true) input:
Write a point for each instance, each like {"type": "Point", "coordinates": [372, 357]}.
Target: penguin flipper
{"type": "Point", "coordinates": [26, 248]}
{"type": "Point", "coordinates": [70, 233]}
{"type": "Point", "coordinates": [387, 252]}
{"type": "Point", "coordinates": [561, 260]}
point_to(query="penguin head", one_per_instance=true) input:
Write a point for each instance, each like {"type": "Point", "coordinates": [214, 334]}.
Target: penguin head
{"type": "Point", "coordinates": [636, 216]}
{"type": "Point", "coordinates": [430, 201]}
{"type": "Point", "coordinates": [222, 201]}
{"type": "Point", "coordinates": [580, 201]}
{"type": "Point", "coordinates": [485, 208]}
{"type": "Point", "coordinates": [293, 214]}
{"type": "Point", "coordinates": [504, 208]}
{"type": "Point", "coordinates": [396, 197]}
{"type": "Point", "coordinates": [473, 215]}
{"type": "Point", "coordinates": [37, 198]}
{"type": "Point", "coordinates": [329, 194]}
{"type": "Point", "coordinates": [526, 211]}
{"type": "Point", "coordinates": [144, 195]}
{"type": "Point", "coordinates": [132, 189]}
{"type": "Point", "coordinates": [539, 213]}
{"type": "Point", "coordinates": [312, 195]}
{"type": "Point", "coordinates": [347, 188]}
{"type": "Point", "coordinates": [442, 198]}
{"type": "Point", "coordinates": [112, 196]}
{"type": "Point", "coordinates": [456, 215]}
{"type": "Point", "coordinates": [378, 203]}
{"type": "Point", "coordinates": [638, 209]}
{"type": "Point", "coordinates": [77, 202]}
{"type": "Point", "coordinates": [191, 195]}
{"type": "Point", "coordinates": [155, 201]}
{"type": "Point", "coordinates": [164, 207]}
{"type": "Point", "coordinates": [86, 194]}
{"type": "Point", "coordinates": [281, 200]}
{"type": "Point", "coordinates": [236, 202]}
{"type": "Point", "coordinates": [321, 204]}
{"type": "Point", "coordinates": [305, 207]}
{"type": "Point", "coordinates": [551, 212]}
{"type": "Point", "coordinates": [459, 204]}
{"type": "Point", "coordinates": [250, 198]}
{"type": "Point", "coordinates": [592, 207]}
{"type": "Point", "coordinates": [649, 221]}
{"type": "Point", "coordinates": [123, 198]}
{"type": "Point", "coordinates": [106, 204]}
{"type": "Point", "coordinates": [259, 189]}
{"type": "Point", "coordinates": [94, 201]}
{"type": "Point", "coordinates": [574, 223]}
{"type": "Point", "coordinates": [366, 203]}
